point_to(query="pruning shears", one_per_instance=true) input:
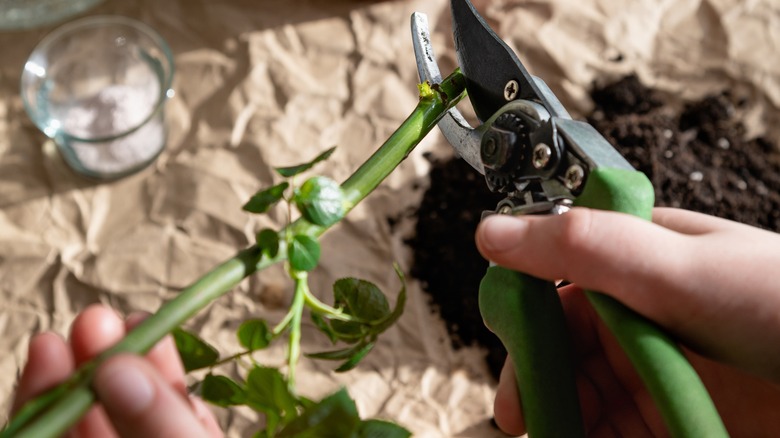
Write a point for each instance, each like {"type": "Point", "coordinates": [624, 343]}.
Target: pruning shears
{"type": "Point", "coordinates": [529, 148]}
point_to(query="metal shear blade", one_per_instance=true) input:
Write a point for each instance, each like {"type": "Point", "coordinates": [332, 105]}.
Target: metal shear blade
{"type": "Point", "coordinates": [458, 132]}
{"type": "Point", "coordinates": [487, 62]}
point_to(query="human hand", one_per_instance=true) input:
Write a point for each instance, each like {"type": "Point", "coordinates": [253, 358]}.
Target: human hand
{"type": "Point", "coordinates": [139, 396]}
{"type": "Point", "coordinates": [704, 280]}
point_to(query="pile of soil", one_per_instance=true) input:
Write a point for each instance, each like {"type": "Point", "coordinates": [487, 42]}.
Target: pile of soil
{"type": "Point", "coordinates": [446, 260]}
{"type": "Point", "coordinates": [696, 156]}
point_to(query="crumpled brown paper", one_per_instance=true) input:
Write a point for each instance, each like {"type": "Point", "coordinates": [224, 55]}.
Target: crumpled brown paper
{"type": "Point", "coordinates": [263, 84]}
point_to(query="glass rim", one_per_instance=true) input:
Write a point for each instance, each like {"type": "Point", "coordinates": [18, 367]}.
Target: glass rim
{"type": "Point", "coordinates": [166, 90]}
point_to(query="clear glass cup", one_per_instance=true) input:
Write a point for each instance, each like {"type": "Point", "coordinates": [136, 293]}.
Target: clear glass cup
{"type": "Point", "coordinates": [98, 86]}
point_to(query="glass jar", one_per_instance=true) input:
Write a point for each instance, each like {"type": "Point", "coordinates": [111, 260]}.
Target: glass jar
{"type": "Point", "coordinates": [98, 86]}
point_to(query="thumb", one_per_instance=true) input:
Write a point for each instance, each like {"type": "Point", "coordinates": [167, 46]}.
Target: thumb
{"type": "Point", "coordinates": [609, 252]}
{"type": "Point", "coordinates": [139, 402]}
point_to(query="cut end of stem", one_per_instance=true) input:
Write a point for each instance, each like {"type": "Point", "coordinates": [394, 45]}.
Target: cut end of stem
{"type": "Point", "coordinates": [426, 91]}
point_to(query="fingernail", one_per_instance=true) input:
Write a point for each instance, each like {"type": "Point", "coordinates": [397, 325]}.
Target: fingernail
{"type": "Point", "coordinates": [500, 233]}
{"type": "Point", "coordinates": [123, 387]}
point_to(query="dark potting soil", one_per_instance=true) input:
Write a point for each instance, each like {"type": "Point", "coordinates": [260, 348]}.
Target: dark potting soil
{"type": "Point", "coordinates": [696, 156]}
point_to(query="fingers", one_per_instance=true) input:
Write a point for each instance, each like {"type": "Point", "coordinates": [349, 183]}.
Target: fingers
{"type": "Point", "coordinates": [643, 264]}
{"type": "Point", "coordinates": [167, 363]}
{"type": "Point", "coordinates": [688, 222]}
{"type": "Point", "coordinates": [165, 411]}
{"type": "Point", "coordinates": [163, 356]}
{"type": "Point", "coordinates": [141, 403]}
{"type": "Point", "coordinates": [602, 250]}
{"type": "Point", "coordinates": [165, 360]}
{"type": "Point", "coordinates": [94, 330]}
{"type": "Point", "coordinates": [617, 254]}
{"type": "Point", "coordinates": [701, 278]}
{"type": "Point", "coordinates": [98, 328]}
{"type": "Point", "coordinates": [506, 406]}
{"type": "Point", "coordinates": [49, 362]}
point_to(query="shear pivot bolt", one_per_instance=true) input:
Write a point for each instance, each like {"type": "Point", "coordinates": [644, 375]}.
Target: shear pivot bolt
{"type": "Point", "coordinates": [511, 89]}
{"type": "Point", "coordinates": [542, 155]}
{"type": "Point", "coordinates": [496, 149]}
{"type": "Point", "coordinates": [491, 148]}
{"type": "Point", "coordinates": [574, 177]}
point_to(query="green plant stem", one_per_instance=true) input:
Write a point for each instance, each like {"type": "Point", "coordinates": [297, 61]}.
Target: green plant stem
{"type": "Point", "coordinates": [55, 418]}
{"type": "Point", "coordinates": [325, 310]}
{"type": "Point", "coordinates": [228, 359]}
{"type": "Point", "coordinates": [296, 309]}
{"type": "Point", "coordinates": [283, 324]}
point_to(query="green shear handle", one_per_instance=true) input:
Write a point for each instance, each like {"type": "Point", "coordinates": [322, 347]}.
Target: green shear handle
{"type": "Point", "coordinates": [526, 314]}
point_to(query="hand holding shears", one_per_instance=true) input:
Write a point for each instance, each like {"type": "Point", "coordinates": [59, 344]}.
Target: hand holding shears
{"type": "Point", "coordinates": [530, 148]}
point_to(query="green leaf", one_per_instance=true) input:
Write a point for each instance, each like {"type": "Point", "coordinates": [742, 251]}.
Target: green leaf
{"type": "Point", "coordinates": [303, 253]}
{"type": "Point", "coordinates": [336, 416]}
{"type": "Point", "coordinates": [321, 201]}
{"type": "Point", "coordinates": [195, 353]}
{"type": "Point", "coordinates": [324, 327]}
{"type": "Point", "coordinates": [267, 391]}
{"type": "Point", "coordinates": [400, 304]}
{"type": "Point", "coordinates": [361, 299]}
{"type": "Point", "coordinates": [381, 429]}
{"type": "Point", "coordinates": [253, 334]}
{"type": "Point", "coordinates": [268, 241]}
{"type": "Point", "coordinates": [271, 423]}
{"type": "Point", "coordinates": [356, 358]}
{"type": "Point", "coordinates": [264, 199]}
{"type": "Point", "coordinates": [295, 170]}
{"type": "Point", "coordinates": [222, 391]}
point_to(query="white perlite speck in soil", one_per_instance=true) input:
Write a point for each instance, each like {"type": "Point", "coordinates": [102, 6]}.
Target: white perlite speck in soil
{"type": "Point", "coordinates": [114, 110]}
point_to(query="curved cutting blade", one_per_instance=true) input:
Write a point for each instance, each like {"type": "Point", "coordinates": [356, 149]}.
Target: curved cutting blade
{"type": "Point", "coordinates": [458, 132]}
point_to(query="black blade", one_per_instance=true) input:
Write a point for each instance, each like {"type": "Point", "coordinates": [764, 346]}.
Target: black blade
{"type": "Point", "coordinates": [487, 62]}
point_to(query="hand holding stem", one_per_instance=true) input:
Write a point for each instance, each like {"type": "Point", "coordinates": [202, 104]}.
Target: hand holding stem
{"type": "Point", "coordinates": [140, 396]}
{"type": "Point", "coordinates": [53, 413]}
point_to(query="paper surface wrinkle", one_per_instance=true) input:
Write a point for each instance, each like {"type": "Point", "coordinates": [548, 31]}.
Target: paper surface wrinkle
{"type": "Point", "coordinates": [209, 70]}
{"type": "Point", "coordinates": [635, 28]}
{"type": "Point", "coordinates": [24, 263]}
{"type": "Point", "coordinates": [699, 27]}
{"type": "Point", "coordinates": [274, 83]}
{"type": "Point", "coordinates": [312, 71]}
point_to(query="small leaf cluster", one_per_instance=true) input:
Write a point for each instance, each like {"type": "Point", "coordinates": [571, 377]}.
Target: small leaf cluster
{"type": "Point", "coordinates": [197, 354]}
{"type": "Point", "coordinates": [360, 313]}
{"type": "Point", "coordinates": [369, 315]}
{"type": "Point", "coordinates": [267, 391]}
{"type": "Point", "coordinates": [290, 416]}
{"type": "Point", "coordinates": [320, 201]}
